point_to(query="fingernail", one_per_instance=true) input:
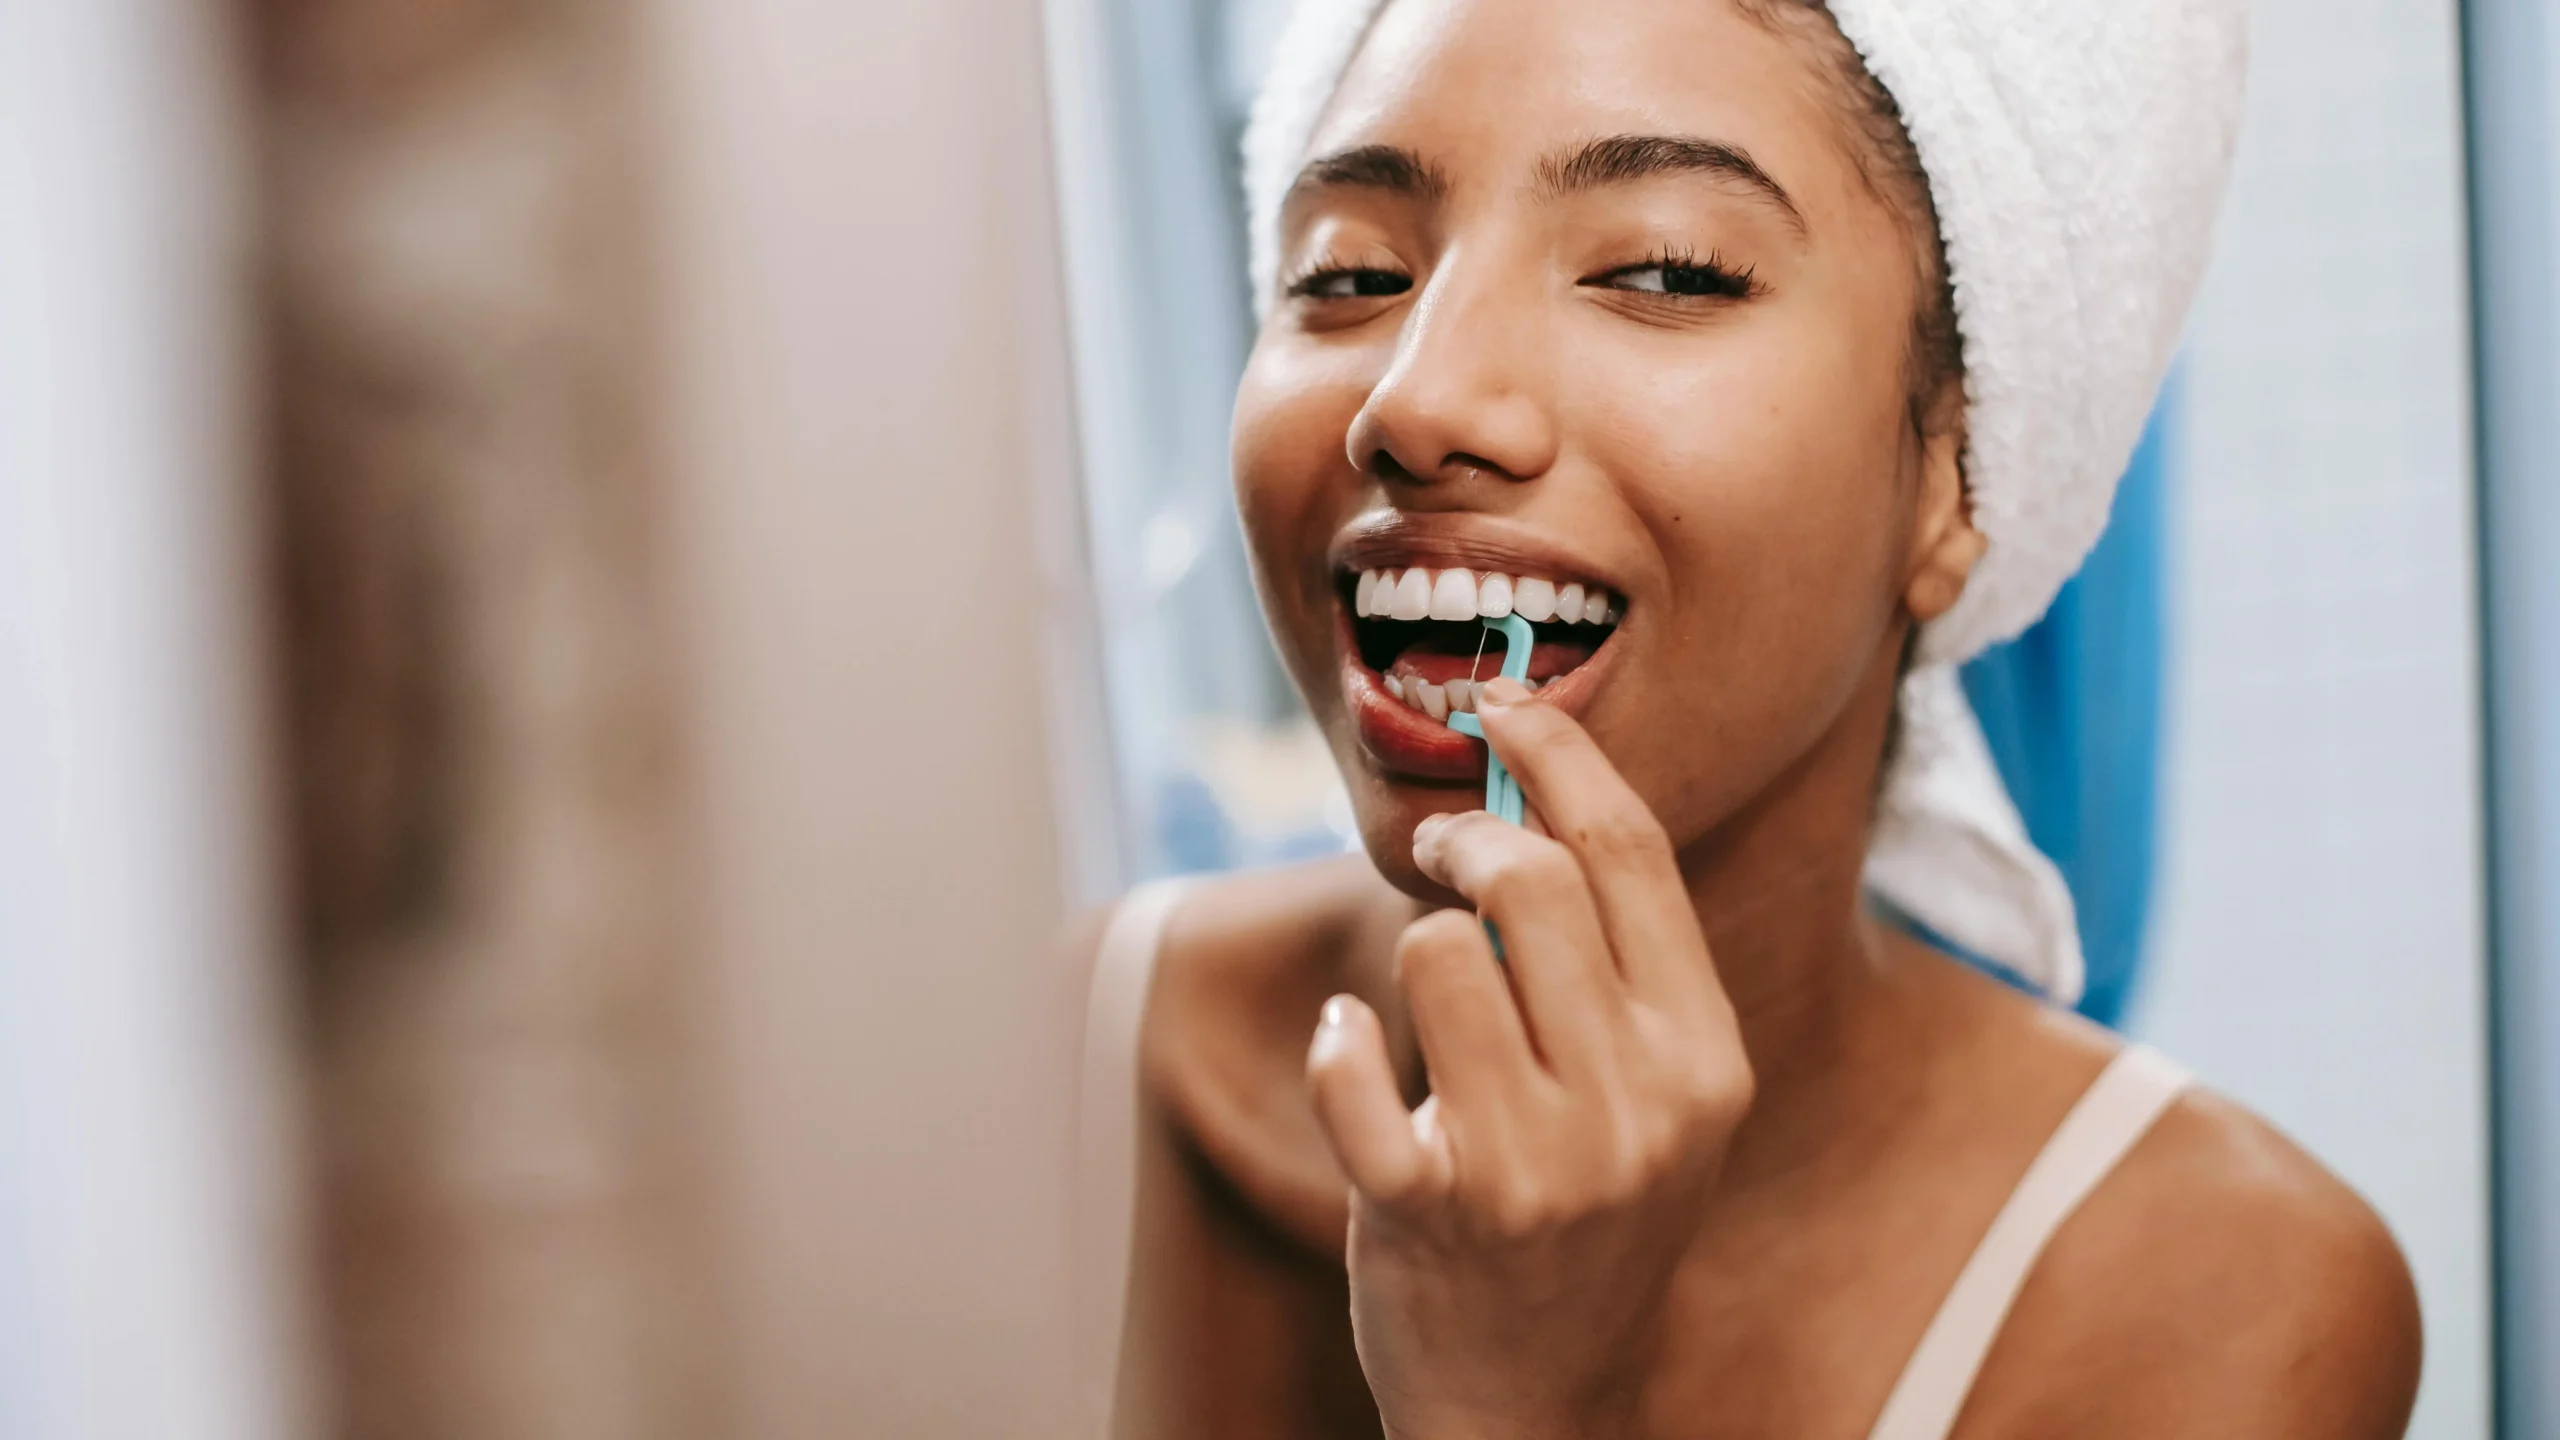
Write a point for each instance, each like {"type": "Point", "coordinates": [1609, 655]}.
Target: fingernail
{"type": "Point", "coordinates": [1335, 1013]}
{"type": "Point", "coordinates": [1501, 690]}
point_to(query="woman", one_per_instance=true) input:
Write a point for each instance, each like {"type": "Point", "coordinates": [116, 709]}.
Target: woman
{"type": "Point", "coordinates": [1766, 379]}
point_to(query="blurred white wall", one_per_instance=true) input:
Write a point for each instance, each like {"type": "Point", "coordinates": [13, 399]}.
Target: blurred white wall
{"type": "Point", "coordinates": [2319, 949]}
{"type": "Point", "coordinates": [147, 1260]}
{"type": "Point", "coordinates": [875, 527]}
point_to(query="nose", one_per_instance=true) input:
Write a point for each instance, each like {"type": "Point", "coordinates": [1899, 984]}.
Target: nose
{"type": "Point", "coordinates": [1467, 393]}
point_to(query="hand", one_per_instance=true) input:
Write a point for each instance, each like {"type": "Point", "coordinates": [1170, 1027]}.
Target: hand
{"type": "Point", "coordinates": [1512, 1238]}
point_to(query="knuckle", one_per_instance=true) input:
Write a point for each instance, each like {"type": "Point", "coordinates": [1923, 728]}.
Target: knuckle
{"type": "Point", "coordinates": [1403, 1194]}
{"type": "Point", "coordinates": [1655, 1141]}
{"type": "Point", "coordinates": [1627, 1186]}
{"type": "Point", "coordinates": [1436, 941]}
{"type": "Point", "coordinates": [1716, 1094]}
{"type": "Point", "coordinates": [1636, 1158]}
{"type": "Point", "coordinates": [1401, 1198]}
{"type": "Point", "coordinates": [1620, 835]}
{"type": "Point", "coordinates": [1519, 1210]}
{"type": "Point", "coordinates": [1526, 727]}
{"type": "Point", "coordinates": [1440, 934]}
{"type": "Point", "coordinates": [1532, 875]}
{"type": "Point", "coordinates": [1547, 727]}
{"type": "Point", "coordinates": [1685, 1107]}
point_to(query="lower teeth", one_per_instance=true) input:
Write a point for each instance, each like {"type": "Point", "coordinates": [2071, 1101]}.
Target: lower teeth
{"type": "Point", "coordinates": [1438, 701]}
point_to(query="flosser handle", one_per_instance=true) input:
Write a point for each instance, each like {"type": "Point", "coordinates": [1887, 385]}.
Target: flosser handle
{"type": "Point", "coordinates": [1501, 791]}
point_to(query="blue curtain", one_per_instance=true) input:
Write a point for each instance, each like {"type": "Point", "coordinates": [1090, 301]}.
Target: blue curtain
{"type": "Point", "coordinates": [2072, 711]}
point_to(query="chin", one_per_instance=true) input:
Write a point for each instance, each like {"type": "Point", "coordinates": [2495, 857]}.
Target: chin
{"type": "Point", "coordinates": [1389, 808]}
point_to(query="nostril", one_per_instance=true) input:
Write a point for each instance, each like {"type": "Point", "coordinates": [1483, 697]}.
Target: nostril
{"type": "Point", "coordinates": [1458, 460]}
{"type": "Point", "coordinates": [1388, 468]}
{"type": "Point", "coordinates": [1452, 466]}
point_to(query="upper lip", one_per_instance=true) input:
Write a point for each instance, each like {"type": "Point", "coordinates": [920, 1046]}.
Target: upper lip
{"type": "Point", "coordinates": [1394, 539]}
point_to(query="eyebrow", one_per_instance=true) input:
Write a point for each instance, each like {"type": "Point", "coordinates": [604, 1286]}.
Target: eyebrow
{"type": "Point", "coordinates": [1391, 168]}
{"type": "Point", "coordinates": [1614, 160]}
{"type": "Point", "coordinates": [1625, 159]}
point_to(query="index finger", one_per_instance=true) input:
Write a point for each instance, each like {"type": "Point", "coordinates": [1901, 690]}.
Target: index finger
{"type": "Point", "coordinates": [1635, 878]}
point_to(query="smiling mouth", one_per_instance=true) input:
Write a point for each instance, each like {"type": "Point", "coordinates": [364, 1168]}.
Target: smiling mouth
{"type": "Point", "coordinates": [1421, 632]}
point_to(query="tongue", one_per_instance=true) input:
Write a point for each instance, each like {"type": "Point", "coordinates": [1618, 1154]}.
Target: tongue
{"type": "Point", "coordinates": [1430, 661]}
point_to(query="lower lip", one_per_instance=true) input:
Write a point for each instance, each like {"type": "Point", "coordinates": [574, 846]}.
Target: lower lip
{"type": "Point", "coordinates": [1408, 743]}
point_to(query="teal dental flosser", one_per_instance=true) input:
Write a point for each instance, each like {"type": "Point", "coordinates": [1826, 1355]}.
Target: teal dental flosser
{"type": "Point", "coordinates": [1501, 791]}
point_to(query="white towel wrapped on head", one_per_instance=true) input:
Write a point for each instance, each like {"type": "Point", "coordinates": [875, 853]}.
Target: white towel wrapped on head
{"type": "Point", "coordinates": [2076, 153]}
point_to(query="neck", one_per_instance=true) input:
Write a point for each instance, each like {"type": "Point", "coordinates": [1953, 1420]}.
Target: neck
{"type": "Point", "coordinates": [1779, 894]}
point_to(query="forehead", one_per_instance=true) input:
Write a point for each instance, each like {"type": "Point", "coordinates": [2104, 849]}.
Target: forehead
{"type": "Point", "coordinates": [1485, 88]}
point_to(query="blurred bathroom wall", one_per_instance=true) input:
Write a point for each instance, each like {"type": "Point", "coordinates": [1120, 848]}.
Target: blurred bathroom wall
{"type": "Point", "coordinates": [661, 394]}
{"type": "Point", "coordinates": [1217, 766]}
{"type": "Point", "coordinates": [541, 579]}
{"type": "Point", "coordinates": [486, 792]}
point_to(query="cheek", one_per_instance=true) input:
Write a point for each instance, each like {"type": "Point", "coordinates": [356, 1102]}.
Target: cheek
{"type": "Point", "coordinates": [1818, 490]}
{"type": "Point", "coordinates": [1773, 486]}
{"type": "Point", "coordinates": [1293, 487]}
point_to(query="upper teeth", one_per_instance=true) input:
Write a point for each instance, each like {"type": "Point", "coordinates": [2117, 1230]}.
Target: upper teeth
{"type": "Point", "coordinates": [1419, 594]}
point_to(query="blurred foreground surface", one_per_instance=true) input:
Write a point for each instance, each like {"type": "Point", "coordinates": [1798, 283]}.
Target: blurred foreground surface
{"type": "Point", "coordinates": [602, 976]}
{"type": "Point", "coordinates": [492, 917]}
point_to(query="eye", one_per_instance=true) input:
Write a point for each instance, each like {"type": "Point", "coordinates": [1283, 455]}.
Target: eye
{"type": "Point", "coordinates": [1681, 276]}
{"type": "Point", "coordinates": [1345, 282]}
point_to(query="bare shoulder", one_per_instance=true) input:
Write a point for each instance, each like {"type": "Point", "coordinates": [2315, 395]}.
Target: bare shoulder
{"type": "Point", "coordinates": [1246, 931]}
{"type": "Point", "coordinates": [1248, 960]}
{"type": "Point", "coordinates": [2220, 1282]}
{"type": "Point", "coordinates": [1273, 927]}
{"type": "Point", "coordinates": [1241, 974]}
{"type": "Point", "coordinates": [1237, 1314]}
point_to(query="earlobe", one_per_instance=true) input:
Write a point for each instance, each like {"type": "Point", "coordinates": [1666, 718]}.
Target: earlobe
{"type": "Point", "coordinates": [1945, 544]}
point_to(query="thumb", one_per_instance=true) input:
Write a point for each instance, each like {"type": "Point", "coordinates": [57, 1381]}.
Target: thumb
{"type": "Point", "coordinates": [1353, 1085]}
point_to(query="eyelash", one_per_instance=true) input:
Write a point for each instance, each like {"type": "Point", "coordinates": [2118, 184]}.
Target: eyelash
{"type": "Point", "coordinates": [1306, 285]}
{"type": "Point", "coordinates": [1721, 280]}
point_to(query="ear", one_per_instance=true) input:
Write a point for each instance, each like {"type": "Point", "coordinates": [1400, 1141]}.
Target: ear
{"type": "Point", "coordinates": [1944, 542]}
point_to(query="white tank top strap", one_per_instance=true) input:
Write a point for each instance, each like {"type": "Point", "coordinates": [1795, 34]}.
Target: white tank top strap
{"type": "Point", "coordinates": [2110, 1119]}
{"type": "Point", "coordinates": [1107, 1138]}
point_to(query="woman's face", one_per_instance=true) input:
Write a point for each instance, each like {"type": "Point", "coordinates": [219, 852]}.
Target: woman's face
{"type": "Point", "coordinates": [1597, 299]}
